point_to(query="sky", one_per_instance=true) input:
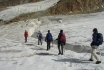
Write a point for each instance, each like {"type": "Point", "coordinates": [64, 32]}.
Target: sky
{"type": "Point", "coordinates": [15, 54]}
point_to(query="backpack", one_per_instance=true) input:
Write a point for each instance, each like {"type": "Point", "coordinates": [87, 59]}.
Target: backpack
{"type": "Point", "coordinates": [40, 35]}
{"type": "Point", "coordinates": [49, 37]}
{"type": "Point", "coordinates": [26, 33]}
{"type": "Point", "coordinates": [63, 38]}
{"type": "Point", "coordinates": [99, 39]}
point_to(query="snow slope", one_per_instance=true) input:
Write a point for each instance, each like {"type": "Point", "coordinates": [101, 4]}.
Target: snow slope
{"type": "Point", "coordinates": [17, 55]}
{"type": "Point", "coordinates": [15, 11]}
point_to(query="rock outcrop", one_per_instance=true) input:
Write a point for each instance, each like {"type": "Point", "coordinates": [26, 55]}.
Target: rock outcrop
{"type": "Point", "coordinates": [77, 6]}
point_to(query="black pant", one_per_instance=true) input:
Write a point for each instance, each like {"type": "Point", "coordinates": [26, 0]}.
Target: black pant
{"type": "Point", "coordinates": [25, 39]}
{"type": "Point", "coordinates": [48, 45]}
{"type": "Point", "coordinates": [60, 48]}
{"type": "Point", "coordinates": [39, 41]}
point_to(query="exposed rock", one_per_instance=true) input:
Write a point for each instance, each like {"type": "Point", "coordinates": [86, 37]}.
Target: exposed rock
{"type": "Point", "coordinates": [76, 6]}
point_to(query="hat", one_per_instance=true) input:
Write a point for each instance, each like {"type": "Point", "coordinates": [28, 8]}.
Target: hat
{"type": "Point", "coordinates": [48, 30]}
{"type": "Point", "coordinates": [95, 30]}
{"type": "Point", "coordinates": [61, 31]}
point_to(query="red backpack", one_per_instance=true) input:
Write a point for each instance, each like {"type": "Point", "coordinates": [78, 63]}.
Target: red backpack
{"type": "Point", "coordinates": [63, 37]}
{"type": "Point", "coordinates": [26, 33]}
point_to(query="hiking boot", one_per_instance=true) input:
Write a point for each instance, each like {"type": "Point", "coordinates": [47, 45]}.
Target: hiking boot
{"type": "Point", "coordinates": [97, 62]}
{"type": "Point", "coordinates": [90, 60]}
{"type": "Point", "coordinates": [59, 53]}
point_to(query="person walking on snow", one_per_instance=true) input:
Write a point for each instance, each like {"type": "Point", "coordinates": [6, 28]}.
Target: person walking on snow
{"type": "Point", "coordinates": [25, 35]}
{"type": "Point", "coordinates": [39, 35]}
{"type": "Point", "coordinates": [48, 39]}
{"type": "Point", "coordinates": [94, 46]}
{"type": "Point", "coordinates": [61, 42]}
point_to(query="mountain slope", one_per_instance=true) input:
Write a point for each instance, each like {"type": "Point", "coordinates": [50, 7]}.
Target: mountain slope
{"type": "Point", "coordinates": [76, 6]}
{"type": "Point", "coordinates": [15, 2]}
{"type": "Point", "coordinates": [6, 3]}
{"type": "Point", "coordinates": [62, 7]}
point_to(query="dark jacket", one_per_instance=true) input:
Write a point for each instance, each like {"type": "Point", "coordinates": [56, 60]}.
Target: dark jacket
{"type": "Point", "coordinates": [49, 37]}
{"type": "Point", "coordinates": [39, 35]}
{"type": "Point", "coordinates": [94, 39]}
{"type": "Point", "coordinates": [59, 36]}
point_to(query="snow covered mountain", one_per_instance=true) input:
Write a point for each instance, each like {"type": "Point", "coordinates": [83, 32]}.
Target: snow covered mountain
{"type": "Point", "coordinates": [15, 54]}
{"type": "Point", "coordinates": [59, 7]}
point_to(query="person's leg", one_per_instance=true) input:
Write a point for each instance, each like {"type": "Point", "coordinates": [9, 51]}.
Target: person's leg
{"type": "Point", "coordinates": [38, 41]}
{"type": "Point", "coordinates": [59, 49]}
{"type": "Point", "coordinates": [92, 56]}
{"type": "Point", "coordinates": [41, 41]}
{"type": "Point", "coordinates": [49, 45]}
{"type": "Point", "coordinates": [95, 55]}
{"type": "Point", "coordinates": [25, 39]}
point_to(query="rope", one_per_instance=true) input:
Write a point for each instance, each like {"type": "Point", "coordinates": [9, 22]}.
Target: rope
{"type": "Point", "coordinates": [84, 55]}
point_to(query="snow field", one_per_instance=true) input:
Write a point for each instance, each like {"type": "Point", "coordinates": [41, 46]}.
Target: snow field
{"type": "Point", "coordinates": [17, 55]}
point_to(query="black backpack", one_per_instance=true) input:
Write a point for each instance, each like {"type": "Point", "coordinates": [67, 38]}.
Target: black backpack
{"type": "Point", "coordinates": [99, 38]}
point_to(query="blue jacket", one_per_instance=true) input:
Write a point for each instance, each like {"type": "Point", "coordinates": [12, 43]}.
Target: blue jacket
{"type": "Point", "coordinates": [49, 37]}
{"type": "Point", "coordinates": [94, 39]}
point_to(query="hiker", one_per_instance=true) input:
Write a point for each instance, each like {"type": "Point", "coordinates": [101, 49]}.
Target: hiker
{"type": "Point", "coordinates": [25, 35]}
{"type": "Point", "coordinates": [61, 42]}
{"type": "Point", "coordinates": [94, 46]}
{"type": "Point", "coordinates": [39, 35]}
{"type": "Point", "coordinates": [48, 39]}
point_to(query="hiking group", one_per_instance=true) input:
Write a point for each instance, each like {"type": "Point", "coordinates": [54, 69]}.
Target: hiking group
{"type": "Point", "coordinates": [49, 39]}
{"type": "Point", "coordinates": [97, 39]}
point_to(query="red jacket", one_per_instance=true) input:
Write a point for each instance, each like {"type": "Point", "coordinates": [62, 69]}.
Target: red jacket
{"type": "Point", "coordinates": [25, 33]}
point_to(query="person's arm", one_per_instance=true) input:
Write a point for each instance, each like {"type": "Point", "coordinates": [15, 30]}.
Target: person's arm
{"type": "Point", "coordinates": [94, 38]}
